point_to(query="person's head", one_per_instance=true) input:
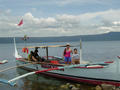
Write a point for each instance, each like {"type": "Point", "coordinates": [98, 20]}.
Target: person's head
{"type": "Point", "coordinates": [75, 50]}
{"type": "Point", "coordinates": [31, 52]}
{"type": "Point", "coordinates": [36, 51]}
{"type": "Point", "coordinates": [68, 45]}
{"type": "Point", "coordinates": [36, 48]}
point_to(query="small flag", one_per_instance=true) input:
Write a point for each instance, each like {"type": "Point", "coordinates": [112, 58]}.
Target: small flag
{"type": "Point", "coordinates": [25, 38]}
{"type": "Point", "coordinates": [20, 23]}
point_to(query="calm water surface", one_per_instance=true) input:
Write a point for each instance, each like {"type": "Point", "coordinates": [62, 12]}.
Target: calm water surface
{"type": "Point", "coordinates": [92, 51]}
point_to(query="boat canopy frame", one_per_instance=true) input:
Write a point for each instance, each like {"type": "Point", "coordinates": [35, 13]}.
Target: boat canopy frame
{"type": "Point", "coordinates": [46, 47]}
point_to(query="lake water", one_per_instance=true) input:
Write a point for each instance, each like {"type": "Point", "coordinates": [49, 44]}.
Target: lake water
{"type": "Point", "coordinates": [92, 51]}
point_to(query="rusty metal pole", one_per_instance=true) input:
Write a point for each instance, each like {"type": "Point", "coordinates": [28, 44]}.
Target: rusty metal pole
{"type": "Point", "coordinates": [47, 52]}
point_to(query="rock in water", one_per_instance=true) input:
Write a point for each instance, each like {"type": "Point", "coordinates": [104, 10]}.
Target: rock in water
{"type": "Point", "coordinates": [107, 86]}
{"type": "Point", "coordinates": [78, 85]}
{"type": "Point", "coordinates": [71, 86]}
{"type": "Point", "coordinates": [98, 87]}
{"type": "Point", "coordinates": [117, 89]}
{"type": "Point", "coordinates": [64, 87]}
{"type": "Point", "coordinates": [74, 88]}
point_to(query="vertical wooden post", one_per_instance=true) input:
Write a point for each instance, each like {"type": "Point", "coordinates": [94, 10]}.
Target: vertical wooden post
{"type": "Point", "coordinates": [47, 52]}
{"type": "Point", "coordinates": [80, 50]}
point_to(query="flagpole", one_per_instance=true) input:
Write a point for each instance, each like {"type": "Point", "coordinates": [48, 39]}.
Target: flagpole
{"type": "Point", "coordinates": [25, 36]}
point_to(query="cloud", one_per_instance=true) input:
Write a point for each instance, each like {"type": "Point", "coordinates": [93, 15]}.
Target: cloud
{"type": "Point", "coordinates": [8, 11]}
{"type": "Point", "coordinates": [33, 9]}
{"type": "Point", "coordinates": [60, 25]}
{"type": "Point", "coordinates": [116, 22]}
{"type": "Point", "coordinates": [65, 2]}
{"type": "Point", "coordinates": [84, 2]}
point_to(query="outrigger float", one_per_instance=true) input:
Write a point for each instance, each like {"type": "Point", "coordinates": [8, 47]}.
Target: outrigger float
{"type": "Point", "coordinates": [91, 73]}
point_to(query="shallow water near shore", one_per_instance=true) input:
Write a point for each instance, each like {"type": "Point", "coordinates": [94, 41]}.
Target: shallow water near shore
{"type": "Point", "coordinates": [92, 51]}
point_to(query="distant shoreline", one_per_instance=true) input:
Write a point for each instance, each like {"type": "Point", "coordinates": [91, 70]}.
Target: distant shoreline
{"type": "Point", "coordinates": [112, 36]}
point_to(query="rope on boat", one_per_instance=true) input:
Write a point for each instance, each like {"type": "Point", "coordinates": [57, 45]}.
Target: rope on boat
{"type": "Point", "coordinates": [17, 66]}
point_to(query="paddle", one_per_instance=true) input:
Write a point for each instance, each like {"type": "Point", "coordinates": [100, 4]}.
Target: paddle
{"type": "Point", "coordinates": [11, 82]}
{"type": "Point", "coordinates": [17, 66]}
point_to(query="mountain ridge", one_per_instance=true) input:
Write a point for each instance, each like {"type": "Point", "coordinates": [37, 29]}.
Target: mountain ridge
{"type": "Point", "coordinates": [111, 36]}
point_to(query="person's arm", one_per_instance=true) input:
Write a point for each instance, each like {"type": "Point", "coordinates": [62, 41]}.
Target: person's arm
{"type": "Point", "coordinates": [73, 59]}
{"type": "Point", "coordinates": [64, 52]}
{"type": "Point", "coordinates": [38, 55]}
{"type": "Point", "coordinates": [71, 51]}
{"type": "Point", "coordinates": [34, 58]}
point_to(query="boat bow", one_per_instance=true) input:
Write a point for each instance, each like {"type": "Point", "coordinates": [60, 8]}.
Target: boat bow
{"type": "Point", "coordinates": [17, 56]}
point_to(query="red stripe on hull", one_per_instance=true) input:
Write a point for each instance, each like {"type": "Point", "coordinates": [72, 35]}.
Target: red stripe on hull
{"type": "Point", "coordinates": [87, 80]}
{"type": "Point", "coordinates": [82, 80]}
{"type": "Point", "coordinates": [109, 62]}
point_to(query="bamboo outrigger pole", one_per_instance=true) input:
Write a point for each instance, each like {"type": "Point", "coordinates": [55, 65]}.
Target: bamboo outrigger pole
{"type": "Point", "coordinates": [17, 66]}
{"type": "Point", "coordinates": [11, 82]}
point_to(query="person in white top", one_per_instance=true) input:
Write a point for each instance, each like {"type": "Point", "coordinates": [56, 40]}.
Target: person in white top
{"type": "Point", "coordinates": [75, 57]}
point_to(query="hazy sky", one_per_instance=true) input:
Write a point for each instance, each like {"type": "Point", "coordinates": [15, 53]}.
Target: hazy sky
{"type": "Point", "coordinates": [58, 17]}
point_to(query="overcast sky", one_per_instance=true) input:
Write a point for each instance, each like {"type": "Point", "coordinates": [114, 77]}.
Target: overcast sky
{"type": "Point", "coordinates": [44, 18]}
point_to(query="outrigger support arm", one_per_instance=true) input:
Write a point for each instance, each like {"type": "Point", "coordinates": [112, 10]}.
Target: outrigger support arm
{"type": "Point", "coordinates": [11, 82]}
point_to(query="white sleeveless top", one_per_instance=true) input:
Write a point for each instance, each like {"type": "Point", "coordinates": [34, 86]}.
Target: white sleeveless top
{"type": "Point", "coordinates": [75, 56]}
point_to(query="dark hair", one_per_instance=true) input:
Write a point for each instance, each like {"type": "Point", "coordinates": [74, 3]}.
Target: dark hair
{"type": "Point", "coordinates": [75, 49]}
{"type": "Point", "coordinates": [31, 52]}
{"type": "Point", "coordinates": [64, 51]}
{"type": "Point", "coordinates": [36, 50]}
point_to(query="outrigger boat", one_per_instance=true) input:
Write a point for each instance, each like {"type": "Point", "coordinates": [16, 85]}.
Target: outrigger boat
{"type": "Point", "coordinates": [91, 73]}
{"type": "Point", "coordinates": [3, 61]}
